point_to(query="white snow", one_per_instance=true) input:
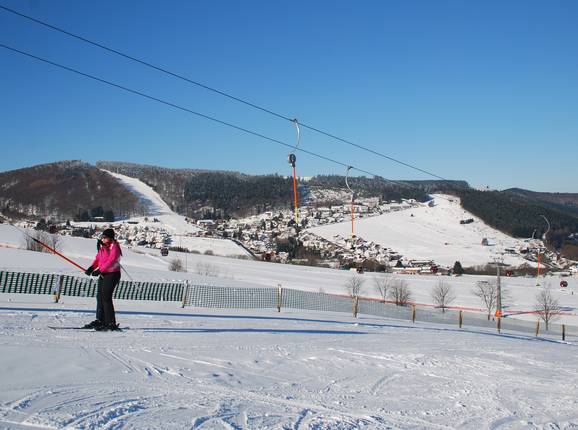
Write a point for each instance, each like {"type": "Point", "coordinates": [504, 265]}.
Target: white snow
{"type": "Point", "coordinates": [432, 233]}
{"type": "Point", "coordinates": [197, 368]}
{"type": "Point", "coordinates": [156, 205]}
{"type": "Point", "coordinates": [203, 369]}
{"type": "Point", "coordinates": [147, 264]}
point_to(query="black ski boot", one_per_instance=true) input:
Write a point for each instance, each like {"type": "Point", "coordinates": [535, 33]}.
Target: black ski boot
{"type": "Point", "coordinates": [93, 325]}
{"type": "Point", "coordinates": [108, 327]}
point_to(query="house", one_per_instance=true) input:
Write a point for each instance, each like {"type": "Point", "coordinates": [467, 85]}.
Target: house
{"type": "Point", "coordinates": [206, 223]}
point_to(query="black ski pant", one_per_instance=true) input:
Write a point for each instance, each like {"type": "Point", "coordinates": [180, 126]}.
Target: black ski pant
{"type": "Point", "coordinates": [104, 307]}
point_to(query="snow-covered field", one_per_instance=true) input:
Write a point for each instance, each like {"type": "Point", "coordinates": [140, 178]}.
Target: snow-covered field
{"type": "Point", "coordinates": [146, 264]}
{"type": "Point", "coordinates": [206, 369]}
{"type": "Point", "coordinates": [232, 369]}
{"type": "Point", "coordinates": [432, 233]}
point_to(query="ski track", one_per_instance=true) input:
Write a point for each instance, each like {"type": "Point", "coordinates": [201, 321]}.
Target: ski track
{"type": "Point", "coordinates": [222, 380]}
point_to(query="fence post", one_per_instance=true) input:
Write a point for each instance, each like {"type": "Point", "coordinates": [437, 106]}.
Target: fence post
{"type": "Point", "coordinates": [57, 287]}
{"type": "Point", "coordinates": [461, 318]}
{"type": "Point", "coordinates": [185, 294]}
{"type": "Point", "coordinates": [499, 325]}
{"type": "Point", "coordinates": [279, 297]}
{"type": "Point", "coordinates": [563, 331]}
{"type": "Point", "coordinates": [413, 314]}
{"type": "Point", "coordinates": [537, 327]}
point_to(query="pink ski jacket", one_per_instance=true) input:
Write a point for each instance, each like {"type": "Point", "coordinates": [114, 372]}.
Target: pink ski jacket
{"type": "Point", "coordinates": [108, 258]}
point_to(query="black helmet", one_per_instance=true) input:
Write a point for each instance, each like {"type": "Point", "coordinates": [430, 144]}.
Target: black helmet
{"type": "Point", "coordinates": [109, 232]}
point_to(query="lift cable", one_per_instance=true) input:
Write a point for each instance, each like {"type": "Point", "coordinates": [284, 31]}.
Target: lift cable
{"type": "Point", "coordinates": [222, 93]}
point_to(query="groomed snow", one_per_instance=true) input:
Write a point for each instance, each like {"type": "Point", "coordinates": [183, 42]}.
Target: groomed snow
{"type": "Point", "coordinates": [431, 233]}
{"type": "Point", "coordinates": [205, 369]}
{"type": "Point", "coordinates": [156, 205]}
{"type": "Point", "coordinates": [145, 264]}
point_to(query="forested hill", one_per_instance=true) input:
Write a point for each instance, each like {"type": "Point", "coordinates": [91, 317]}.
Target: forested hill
{"type": "Point", "coordinates": [209, 193]}
{"type": "Point", "coordinates": [194, 192]}
{"type": "Point", "coordinates": [564, 202]}
{"type": "Point", "coordinates": [522, 215]}
{"type": "Point", "coordinates": [64, 190]}
{"type": "Point", "coordinates": [386, 189]}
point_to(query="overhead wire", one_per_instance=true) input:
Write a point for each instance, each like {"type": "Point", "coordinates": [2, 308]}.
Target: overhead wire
{"type": "Point", "coordinates": [208, 117]}
{"type": "Point", "coordinates": [217, 91]}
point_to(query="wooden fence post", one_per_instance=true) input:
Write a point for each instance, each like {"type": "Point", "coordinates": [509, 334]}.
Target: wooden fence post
{"type": "Point", "coordinates": [57, 288]}
{"type": "Point", "coordinates": [537, 327]}
{"type": "Point", "coordinates": [185, 294]}
{"type": "Point", "coordinates": [413, 314]}
{"type": "Point", "coordinates": [279, 297]}
{"type": "Point", "coordinates": [563, 331]}
{"type": "Point", "coordinates": [461, 318]}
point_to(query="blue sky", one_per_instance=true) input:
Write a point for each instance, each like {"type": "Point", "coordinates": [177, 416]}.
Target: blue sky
{"type": "Point", "coordinates": [482, 91]}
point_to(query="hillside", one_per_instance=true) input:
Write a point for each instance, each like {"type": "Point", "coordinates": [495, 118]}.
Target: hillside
{"type": "Point", "coordinates": [209, 194]}
{"type": "Point", "coordinates": [563, 202]}
{"type": "Point", "coordinates": [432, 232]}
{"type": "Point", "coordinates": [64, 190]}
{"type": "Point", "coordinates": [521, 215]}
{"type": "Point", "coordinates": [214, 194]}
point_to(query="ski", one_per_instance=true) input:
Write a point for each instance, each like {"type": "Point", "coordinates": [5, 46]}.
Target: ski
{"type": "Point", "coordinates": [81, 328]}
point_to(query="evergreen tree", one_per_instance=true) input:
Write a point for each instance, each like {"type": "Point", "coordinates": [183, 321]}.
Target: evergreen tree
{"type": "Point", "coordinates": [458, 269]}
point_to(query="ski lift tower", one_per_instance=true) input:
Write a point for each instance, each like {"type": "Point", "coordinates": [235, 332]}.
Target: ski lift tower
{"type": "Point", "coordinates": [539, 251]}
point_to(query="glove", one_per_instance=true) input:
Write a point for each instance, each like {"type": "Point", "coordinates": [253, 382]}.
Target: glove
{"type": "Point", "coordinates": [96, 272]}
{"type": "Point", "coordinates": [88, 271]}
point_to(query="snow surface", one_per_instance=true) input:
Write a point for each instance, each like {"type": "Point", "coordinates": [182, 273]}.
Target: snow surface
{"type": "Point", "coordinates": [156, 205]}
{"type": "Point", "coordinates": [145, 264]}
{"type": "Point", "coordinates": [432, 233]}
{"type": "Point", "coordinates": [229, 369]}
{"type": "Point", "coordinates": [203, 369]}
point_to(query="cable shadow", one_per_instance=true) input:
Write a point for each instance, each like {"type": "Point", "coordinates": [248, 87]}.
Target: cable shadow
{"type": "Point", "coordinates": [358, 323]}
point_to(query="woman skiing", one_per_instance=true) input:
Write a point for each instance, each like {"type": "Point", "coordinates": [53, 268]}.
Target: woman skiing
{"type": "Point", "coordinates": [106, 266]}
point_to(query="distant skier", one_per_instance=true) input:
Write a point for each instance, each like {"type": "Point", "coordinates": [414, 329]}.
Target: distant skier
{"type": "Point", "coordinates": [106, 266]}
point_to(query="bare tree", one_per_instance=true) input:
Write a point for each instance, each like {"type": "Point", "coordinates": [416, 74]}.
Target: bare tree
{"type": "Point", "coordinates": [176, 265]}
{"type": "Point", "coordinates": [54, 241]}
{"type": "Point", "coordinates": [443, 294]}
{"type": "Point", "coordinates": [488, 294]}
{"type": "Point", "coordinates": [33, 245]}
{"type": "Point", "coordinates": [354, 286]}
{"type": "Point", "coordinates": [382, 285]}
{"type": "Point", "coordinates": [207, 269]}
{"type": "Point", "coordinates": [547, 307]}
{"type": "Point", "coordinates": [400, 293]}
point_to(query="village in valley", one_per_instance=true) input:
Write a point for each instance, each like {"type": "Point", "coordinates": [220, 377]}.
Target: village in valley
{"type": "Point", "coordinates": [275, 236]}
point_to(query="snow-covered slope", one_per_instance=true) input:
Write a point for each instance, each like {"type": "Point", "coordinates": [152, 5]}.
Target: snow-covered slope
{"type": "Point", "coordinates": [175, 224]}
{"type": "Point", "coordinates": [431, 233]}
{"type": "Point", "coordinates": [147, 265]}
{"type": "Point", "coordinates": [191, 368]}
{"type": "Point", "coordinates": [156, 205]}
